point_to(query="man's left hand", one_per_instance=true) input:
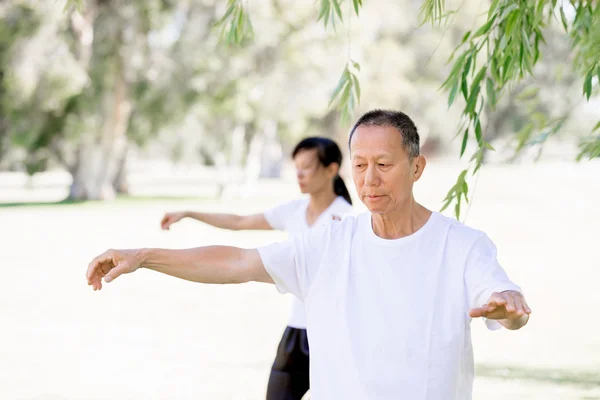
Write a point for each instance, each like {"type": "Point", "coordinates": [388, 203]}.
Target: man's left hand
{"type": "Point", "coordinates": [509, 306]}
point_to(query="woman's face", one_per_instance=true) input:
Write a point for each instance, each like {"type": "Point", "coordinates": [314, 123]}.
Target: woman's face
{"type": "Point", "coordinates": [311, 174]}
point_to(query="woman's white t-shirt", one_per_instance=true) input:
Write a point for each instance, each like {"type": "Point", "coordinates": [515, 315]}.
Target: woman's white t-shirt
{"type": "Point", "coordinates": [389, 319]}
{"type": "Point", "coordinates": [291, 218]}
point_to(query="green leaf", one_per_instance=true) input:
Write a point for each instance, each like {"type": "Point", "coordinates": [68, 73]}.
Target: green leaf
{"type": "Point", "coordinates": [472, 100]}
{"type": "Point", "coordinates": [465, 190]}
{"type": "Point", "coordinates": [510, 24]}
{"type": "Point", "coordinates": [227, 13]}
{"type": "Point", "coordinates": [478, 134]}
{"type": "Point", "coordinates": [338, 9]}
{"type": "Point", "coordinates": [467, 67]}
{"type": "Point", "coordinates": [477, 165]}
{"type": "Point", "coordinates": [356, 87]}
{"type": "Point", "coordinates": [466, 70]}
{"type": "Point", "coordinates": [494, 69]}
{"type": "Point", "coordinates": [356, 65]}
{"type": "Point", "coordinates": [464, 142]}
{"type": "Point", "coordinates": [232, 34]}
{"type": "Point", "coordinates": [327, 8]}
{"type": "Point", "coordinates": [356, 6]}
{"type": "Point", "coordinates": [465, 37]}
{"type": "Point", "coordinates": [464, 88]}
{"type": "Point", "coordinates": [336, 94]}
{"type": "Point", "coordinates": [455, 69]}
{"type": "Point", "coordinates": [528, 67]}
{"type": "Point", "coordinates": [596, 127]}
{"type": "Point", "coordinates": [351, 102]}
{"type": "Point", "coordinates": [240, 18]}
{"type": "Point", "coordinates": [536, 48]}
{"type": "Point", "coordinates": [486, 27]}
{"type": "Point", "coordinates": [488, 146]}
{"type": "Point", "coordinates": [339, 87]}
{"type": "Point", "coordinates": [491, 93]}
{"type": "Point", "coordinates": [521, 55]}
{"type": "Point", "coordinates": [508, 10]}
{"type": "Point", "coordinates": [524, 135]}
{"type": "Point", "coordinates": [475, 87]}
{"type": "Point", "coordinates": [587, 84]}
{"type": "Point", "coordinates": [446, 205]}
{"type": "Point", "coordinates": [526, 43]}
{"type": "Point", "coordinates": [345, 96]}
{"type": "Point", "coordinates": [539, 12]}
{"type": "Point", "coordinates": [324, 11]}
{"type": "Point", "coordinates": [539, 35]}
{"type": "Point", "coordinates": [493, 7]}
{"type": "Point", "coordinates": [452, 94]}
{"type": "Point", "coordinates": [563, 18]}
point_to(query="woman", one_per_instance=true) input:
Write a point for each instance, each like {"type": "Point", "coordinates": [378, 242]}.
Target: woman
{"type": "Point", "coordinates": [317, 161]}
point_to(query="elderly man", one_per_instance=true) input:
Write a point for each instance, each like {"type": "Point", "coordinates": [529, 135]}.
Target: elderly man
{"type": "Point", "coordinates": [389, 294]}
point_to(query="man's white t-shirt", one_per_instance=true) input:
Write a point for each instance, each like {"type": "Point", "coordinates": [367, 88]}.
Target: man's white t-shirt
{"type": "Point", "coordinates": [388, 319]}
{"type": "Point", "coordinates": [291, 217]}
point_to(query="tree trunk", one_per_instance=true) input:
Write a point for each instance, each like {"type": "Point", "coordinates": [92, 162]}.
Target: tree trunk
{"type": "Point", "coordinates": [102, 155]}
{"type": "Point", "coordinates": [120, 183]}
{"type": "Point", "coordinates": [230, 173]}
{"type": "Point", "coordinates": [100, 160]}
{"type": "Point", "coordinates": [270, 153]}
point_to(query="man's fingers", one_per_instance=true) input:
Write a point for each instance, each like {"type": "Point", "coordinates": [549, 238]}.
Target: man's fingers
{"type": "Point", "coordinates": [477, 312]}
{"type": "Point", "coordinates": [519, 307]}
{"type": "Point", "coordinates": [95, 283]}
{"type": "Point", "coordinates": [497, 299]}
{"type": "Point", "coordinates": [99, 267]}
{"type": "Point", "coordinates": [95, 265]}
{"type": "Point", "coordinates": [526, 307]}
{"type": "Point", "coordinates": [510, 304]}
{"type": "Point", "coordinates": [522, 307]}
{"type": "Point", "coordinates": [121, 268]}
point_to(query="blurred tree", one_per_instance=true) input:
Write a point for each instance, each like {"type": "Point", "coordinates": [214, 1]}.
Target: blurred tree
{"type": "Point", "coordinates": [87, 85]}
{"type": "Point", "coordinates": [507, 46]}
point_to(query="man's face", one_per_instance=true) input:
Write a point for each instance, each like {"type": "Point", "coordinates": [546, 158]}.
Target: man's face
{"type": "Point", "coordinates": [382, 170]}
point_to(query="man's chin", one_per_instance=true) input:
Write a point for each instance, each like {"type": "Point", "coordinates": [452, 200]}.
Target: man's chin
{"type": "Point", "coordinates": [375, 208]}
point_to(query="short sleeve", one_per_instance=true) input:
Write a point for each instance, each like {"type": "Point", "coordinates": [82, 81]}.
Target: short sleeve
{"type": "Point", "coordinates": [484, 276]}
{"type": "Point", "coordinates": [279, 215]}
{"type": "Point", "coordinates": [293, 264]}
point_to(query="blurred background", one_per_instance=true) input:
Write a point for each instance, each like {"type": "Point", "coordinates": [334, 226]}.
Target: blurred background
{"type": "Point", "coordinates": [119, 111]}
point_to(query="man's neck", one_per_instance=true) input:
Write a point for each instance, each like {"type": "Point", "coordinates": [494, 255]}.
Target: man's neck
{"type": "Point", "coordinates": [401, 222]}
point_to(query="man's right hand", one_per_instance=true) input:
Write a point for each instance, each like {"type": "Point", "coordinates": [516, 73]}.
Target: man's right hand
{"type": "Point", "coordinates": [170, 218]}
{"type": "Point", "coordinates": [112, 264]}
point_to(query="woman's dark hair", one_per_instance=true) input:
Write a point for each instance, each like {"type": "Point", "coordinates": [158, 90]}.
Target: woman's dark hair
{"type": "Point", "coordinates": [328, 152]}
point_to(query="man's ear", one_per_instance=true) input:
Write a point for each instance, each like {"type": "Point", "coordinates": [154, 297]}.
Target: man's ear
{"type": "Point", "coordinates": [419, 163]}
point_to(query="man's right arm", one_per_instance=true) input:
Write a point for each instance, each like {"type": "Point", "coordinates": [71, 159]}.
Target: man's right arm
{"type": "Point", "coordinates": [211, 264]}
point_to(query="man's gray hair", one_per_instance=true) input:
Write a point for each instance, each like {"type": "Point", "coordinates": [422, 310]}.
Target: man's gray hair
{"type": "Point", "coordinates": [396, 119]}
